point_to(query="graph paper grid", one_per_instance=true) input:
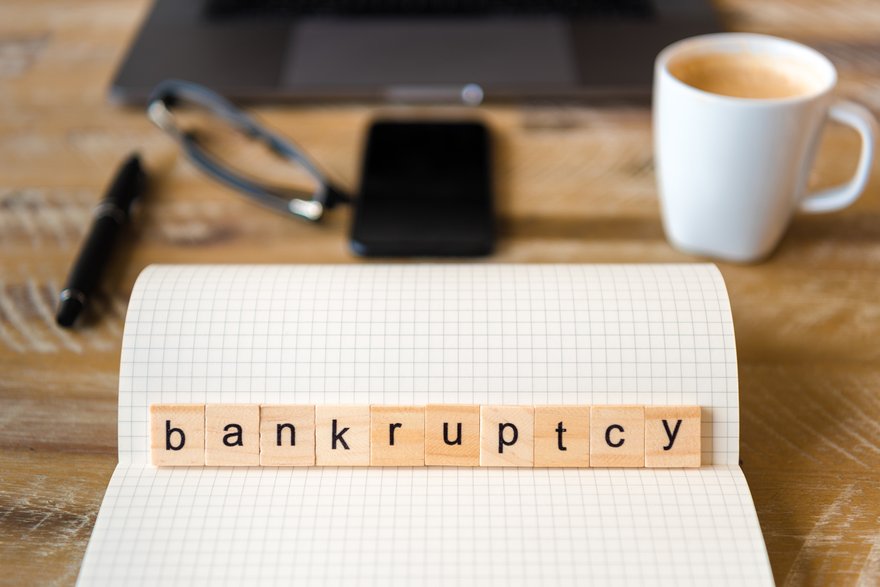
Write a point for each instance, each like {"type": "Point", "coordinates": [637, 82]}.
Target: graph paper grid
{"type": "Point", "coordinates": [417, 334]}
{"type": "Point", "coordinates": [432, 526]}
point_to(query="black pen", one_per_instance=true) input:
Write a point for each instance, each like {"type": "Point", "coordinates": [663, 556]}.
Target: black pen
{"type": "Point", "coordinates": [111, 216]}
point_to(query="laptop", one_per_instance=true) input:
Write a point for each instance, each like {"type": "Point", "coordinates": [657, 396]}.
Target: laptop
{"type": "Point", "coordinates": [408, 50]}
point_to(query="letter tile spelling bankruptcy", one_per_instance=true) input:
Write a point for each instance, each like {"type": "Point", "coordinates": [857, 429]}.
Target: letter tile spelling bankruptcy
{"type": "Point", "coordinates": [287, 436]}
{"type": "Point", "coordinates": [506, 437]}
{"type": "Point", "coordinates": [562, 436]}
{"type": "Point", "coordinates": [177, 435]}
{"type": "Point", "coordinates": [232, 435]}
{"type": "Point", "coordinates": [672, 436]}
{"type": "Point", "coordinates": [452, 435]}
{"type": "Point", "coordinates": [415, 436]}
{"type": "Point", "coordinates": [617, 436]}
{"type": "Point", "coordinates": [342, 436]}
{"type": "Point", "coordinates": [397, 436]}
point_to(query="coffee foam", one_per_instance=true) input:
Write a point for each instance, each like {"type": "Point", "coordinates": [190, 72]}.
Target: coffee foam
{"type": "Point", "coordinates": [747, 74]}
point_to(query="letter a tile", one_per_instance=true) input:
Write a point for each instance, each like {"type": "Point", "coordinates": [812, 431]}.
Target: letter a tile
{"type": "Point", "coordinates": [232, 435]}
{"type": "Point", "coordinates": [177, 435]}
{"type": "Point", "coordinates": [672, 436]}
{"type": "Point", "coordinates": [342, 436]}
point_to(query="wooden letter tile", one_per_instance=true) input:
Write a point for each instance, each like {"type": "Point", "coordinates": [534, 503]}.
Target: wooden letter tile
{"type": "Point", "coordinates": [397, 436]}
{"type": "Point", "coordinates": [672, 436]}
{"type": "Point", "coordinates": [232, 435]}
{"type": "Point", "coordinates": [452, 435]}
{"type": "Point", "coordinates": [506, 436]}
{"type": "Point", "coordinates": [177, 435]}
{"type": "Point", "coordinates": [562, 436]}
{"type": "Point", "coordinates": [342, 436]}
{"type": "Point", "coordinates": [617, 436]}
{"type": "Point", "coordinates": [287, 436]}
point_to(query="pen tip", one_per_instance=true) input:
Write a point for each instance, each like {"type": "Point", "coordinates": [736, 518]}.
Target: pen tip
{"type": "Point", "coordinates": [68, 311]}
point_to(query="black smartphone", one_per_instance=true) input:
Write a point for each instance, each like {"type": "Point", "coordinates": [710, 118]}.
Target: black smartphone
{"type": "Point", "coordinates": [426, 190]}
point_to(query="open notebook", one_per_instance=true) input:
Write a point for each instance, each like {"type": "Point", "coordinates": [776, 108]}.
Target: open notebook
{"type": "Point", "coordinates": [417, 334]}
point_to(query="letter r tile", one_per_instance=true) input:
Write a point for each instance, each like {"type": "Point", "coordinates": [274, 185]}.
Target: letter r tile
{"type": "Point", "coordinates": [397, 436]}
{"type": "Point", "coordinates": [177, 435]}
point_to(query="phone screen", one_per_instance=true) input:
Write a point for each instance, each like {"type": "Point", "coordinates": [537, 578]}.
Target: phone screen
{"type": "Point", "coordinates": [425, 191]}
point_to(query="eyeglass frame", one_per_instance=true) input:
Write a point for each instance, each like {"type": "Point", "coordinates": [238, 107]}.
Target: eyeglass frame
{"type": "Point", "coordinates": [171, 93]}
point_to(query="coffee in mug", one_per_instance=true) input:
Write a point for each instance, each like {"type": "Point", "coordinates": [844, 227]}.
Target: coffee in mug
{"type": "Point", "coordinates": [746, 75]}
{"type": "Point", "coordinates": [737, 122]}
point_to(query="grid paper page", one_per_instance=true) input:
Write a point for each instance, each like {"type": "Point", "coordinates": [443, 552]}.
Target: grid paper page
{"type": "Point", "coordinates": [428, 334]}
{"type": "Point", "coordinates": [432, 526]}
{"type": "Point", "coordinates": [417, 334]}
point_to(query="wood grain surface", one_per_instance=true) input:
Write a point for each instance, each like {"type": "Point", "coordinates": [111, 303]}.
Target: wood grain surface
{"type": "Point", "coordinates": [575, 184]}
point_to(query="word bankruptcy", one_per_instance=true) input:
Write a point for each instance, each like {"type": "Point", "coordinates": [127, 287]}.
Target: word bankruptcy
{"type": "Point", "coordinates": [433, 435]}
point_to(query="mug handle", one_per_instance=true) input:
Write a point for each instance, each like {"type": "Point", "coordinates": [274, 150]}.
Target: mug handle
{"type": "Point", "coordinates": [841, 196]}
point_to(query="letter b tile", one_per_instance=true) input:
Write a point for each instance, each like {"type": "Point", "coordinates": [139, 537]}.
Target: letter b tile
{"type": "Point", "coordinates": [177, 435]}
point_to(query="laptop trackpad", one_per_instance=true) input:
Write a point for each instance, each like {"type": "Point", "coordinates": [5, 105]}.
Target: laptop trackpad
{"type": "Point", "coordinates": [353, 53]}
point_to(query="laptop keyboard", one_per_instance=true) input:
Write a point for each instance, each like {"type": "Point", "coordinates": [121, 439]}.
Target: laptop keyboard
{"type": "Point", "coordinates": [293, 8]}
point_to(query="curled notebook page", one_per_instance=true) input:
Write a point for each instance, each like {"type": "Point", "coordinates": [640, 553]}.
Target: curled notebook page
{"type": "Point", "coordinates": [420, 334]}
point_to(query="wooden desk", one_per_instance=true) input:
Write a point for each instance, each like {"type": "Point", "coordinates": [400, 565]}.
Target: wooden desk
{"type": "Point", "coordinates": [575, 184]}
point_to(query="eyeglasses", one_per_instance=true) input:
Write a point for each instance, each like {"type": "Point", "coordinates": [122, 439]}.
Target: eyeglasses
{"type": "Point", "coordinates": [196, 144]}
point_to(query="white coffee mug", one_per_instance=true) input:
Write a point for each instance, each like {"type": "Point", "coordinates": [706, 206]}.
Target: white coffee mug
{"type": "Point", "coordinates": [732, 171]}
